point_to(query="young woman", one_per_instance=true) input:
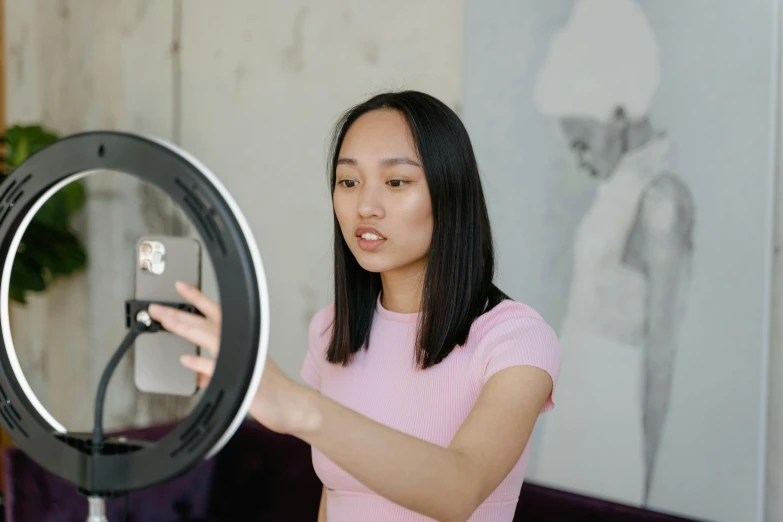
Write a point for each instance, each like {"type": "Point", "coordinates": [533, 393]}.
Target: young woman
{"type": "Point", "coordinates": [426, 380]}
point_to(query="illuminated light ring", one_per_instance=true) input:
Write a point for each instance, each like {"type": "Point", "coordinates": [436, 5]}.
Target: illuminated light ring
{"type": "Point", "coordinates": [130, 465]}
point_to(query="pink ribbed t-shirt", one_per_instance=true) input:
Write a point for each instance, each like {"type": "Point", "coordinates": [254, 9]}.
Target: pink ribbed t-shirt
{"type": "Point", "coordinates": [384, 384]}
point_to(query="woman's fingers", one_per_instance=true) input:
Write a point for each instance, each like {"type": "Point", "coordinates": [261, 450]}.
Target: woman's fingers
{"type": "Point", "coordinates": [203, 380]}
{"type": "Point", "coordinates": [204, 332]}
{"type": "Point", "coordinates": [205, 305]}
{"type": "Point", "coordinates": [191, 327]}
{"type": "Point", "coordinates": [172, 315]}
{"type": "Point", "coordinates": [203, 366]}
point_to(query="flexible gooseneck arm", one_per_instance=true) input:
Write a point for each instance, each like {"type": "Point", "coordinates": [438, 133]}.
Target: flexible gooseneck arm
{"type": "Point", "coordinates": [100, 398]}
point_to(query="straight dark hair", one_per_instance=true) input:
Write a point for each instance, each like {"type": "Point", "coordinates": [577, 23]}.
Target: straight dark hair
{"type": "Point", "coordinates": [458, 283]}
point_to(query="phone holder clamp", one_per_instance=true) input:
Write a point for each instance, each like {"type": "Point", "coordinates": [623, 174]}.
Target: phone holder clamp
{"type": "Point", "coordinates": [138, 311]}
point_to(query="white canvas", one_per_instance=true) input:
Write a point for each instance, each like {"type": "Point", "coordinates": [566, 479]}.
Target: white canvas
{"type": "Point", "coordinates": [627, 154]}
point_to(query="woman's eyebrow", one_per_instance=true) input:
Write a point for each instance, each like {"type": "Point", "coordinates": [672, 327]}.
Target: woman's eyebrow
{"type": "Point", "coordinates": [386, 162]}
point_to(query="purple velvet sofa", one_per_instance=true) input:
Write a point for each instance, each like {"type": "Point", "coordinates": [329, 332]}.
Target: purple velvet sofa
{"type": "Point", "coordinates": [259, 476]}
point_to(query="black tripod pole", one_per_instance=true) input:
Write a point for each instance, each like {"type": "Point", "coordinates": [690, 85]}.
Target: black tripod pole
{"type": "Point", "coordinates": [97, 504]}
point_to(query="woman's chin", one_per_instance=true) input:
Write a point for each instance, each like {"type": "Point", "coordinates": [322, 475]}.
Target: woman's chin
{"type": "Point", "coordinates": [375, 262]}
{"type": "Point", "coordinates": [374, 265]}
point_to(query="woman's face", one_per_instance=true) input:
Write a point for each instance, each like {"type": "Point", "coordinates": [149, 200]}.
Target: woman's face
{"type": "Point", "coordinates": [598, 146]}
{"type": "Point", "coordinates": [381, 197]}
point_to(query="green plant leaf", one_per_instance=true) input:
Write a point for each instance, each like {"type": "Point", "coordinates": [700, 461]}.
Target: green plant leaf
{"type": "Point", "coordinates": [58, 250]}
{"type": "Point", "coordinates": [27, 276]}
{"type": "Point", "coordinates": [74, 196]}
{"type": "Point", "coordinates": [49, 248]}
{"type": "Point", "coordinates": [53, 214]}
{"type": "Point", "coordinates": [15, 293]}
{"type": "Point", "coordinates": [24, 141]}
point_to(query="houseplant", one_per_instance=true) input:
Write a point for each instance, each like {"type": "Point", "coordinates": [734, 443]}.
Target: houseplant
{"type": "Point", "coordinates": [50, 248]}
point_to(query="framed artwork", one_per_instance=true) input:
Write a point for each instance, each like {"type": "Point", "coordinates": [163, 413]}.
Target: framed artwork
{"type": "Point", "coordinates": [627, 152]}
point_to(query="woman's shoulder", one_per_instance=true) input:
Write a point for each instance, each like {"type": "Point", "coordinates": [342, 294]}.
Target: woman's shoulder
{"type": "Point", "coordinates": [514, 334]}
{"type": "Point", "coordinates": [509, 319]}
{"type": "Point", "coordinates": [317, 344]}
{"type": "Point", "coordinates": [508, 310]}
{"type": "Point", "coordinates": [322, 322]}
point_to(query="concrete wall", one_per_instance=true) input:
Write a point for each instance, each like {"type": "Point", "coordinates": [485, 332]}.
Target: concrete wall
{"type": "Point", "coordinates": [252, 89]}
{"type": "Point", "coordinates": [76, 66]}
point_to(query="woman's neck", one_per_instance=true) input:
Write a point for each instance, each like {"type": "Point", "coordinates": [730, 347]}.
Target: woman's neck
{"type": "Point", "coordinates": [402, 290]}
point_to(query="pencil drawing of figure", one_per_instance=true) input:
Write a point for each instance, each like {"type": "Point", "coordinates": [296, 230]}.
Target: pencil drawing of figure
{"type": "Point", "coordinates": [632, 256]}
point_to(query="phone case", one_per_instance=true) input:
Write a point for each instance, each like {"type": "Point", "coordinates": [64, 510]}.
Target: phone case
{"type": "Point", "coordinates": [160, 262]}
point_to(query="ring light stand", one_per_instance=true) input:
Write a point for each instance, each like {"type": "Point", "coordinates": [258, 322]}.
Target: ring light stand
{"type": "Point", "coordinates": [103, 468]}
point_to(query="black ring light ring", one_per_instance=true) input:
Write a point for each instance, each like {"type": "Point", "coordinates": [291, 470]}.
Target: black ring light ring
{"type": "Point", "coordinates": [244, 299]}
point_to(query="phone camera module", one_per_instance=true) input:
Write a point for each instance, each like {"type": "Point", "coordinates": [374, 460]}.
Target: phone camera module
{"type": "Point", "coordinates": [152, 257]}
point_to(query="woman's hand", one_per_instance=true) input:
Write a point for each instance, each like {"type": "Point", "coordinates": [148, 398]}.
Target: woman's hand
{"type": "Point", "coordinates": [201, 331]}
{"type": "Point", "coordinates": [279, 403]}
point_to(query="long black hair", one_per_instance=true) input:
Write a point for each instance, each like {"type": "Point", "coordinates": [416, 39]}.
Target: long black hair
{"type": "Point", "coordinates": [458, 284]}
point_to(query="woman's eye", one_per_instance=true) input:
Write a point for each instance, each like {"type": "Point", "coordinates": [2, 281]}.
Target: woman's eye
{"type": "Point", "coordinates": [579, 146]}
{"type": "Point", "coordinates": [397, 183]}
{"type": "Point", "coordinates": [348, 183]}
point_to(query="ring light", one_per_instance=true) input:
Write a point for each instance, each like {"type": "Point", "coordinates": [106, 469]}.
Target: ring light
{"type": "Point", "coordinates": [120, 466]}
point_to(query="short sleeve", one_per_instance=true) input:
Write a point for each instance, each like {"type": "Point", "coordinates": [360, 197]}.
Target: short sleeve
{"type": "Point", "coordinates": [317, 343]}
{"type": "Point", "coordinates": [523, 341]}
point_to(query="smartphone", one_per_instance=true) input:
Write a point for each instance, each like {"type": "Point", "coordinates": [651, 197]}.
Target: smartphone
{"type": "Point", "coordinates": [160, 262]}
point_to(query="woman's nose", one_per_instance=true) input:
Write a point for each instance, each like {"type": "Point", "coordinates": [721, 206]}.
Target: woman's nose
{"type": "Point", "coordinates": [370, 202]}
